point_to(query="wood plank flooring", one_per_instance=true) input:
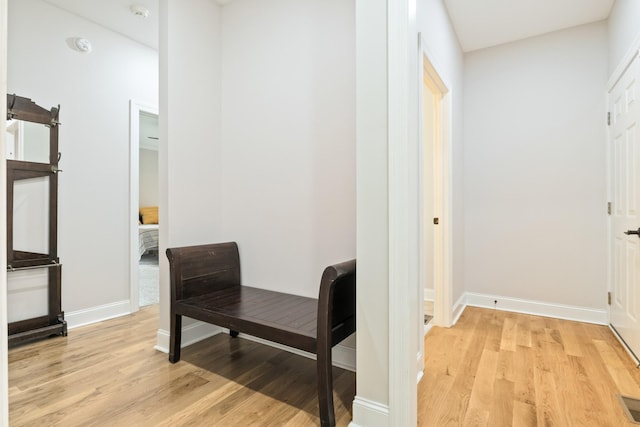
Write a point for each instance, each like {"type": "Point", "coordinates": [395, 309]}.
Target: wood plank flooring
{"type": "Point", "coordinates": [493, 368]}
{"type": "Point", "coordinates": [108, 374]}
{"type": "Point", "coordinates": [496, 368]}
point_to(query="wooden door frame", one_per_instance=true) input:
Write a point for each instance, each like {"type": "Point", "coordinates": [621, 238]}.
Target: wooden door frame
{"type": "Point", "coordinates": [135, 108]}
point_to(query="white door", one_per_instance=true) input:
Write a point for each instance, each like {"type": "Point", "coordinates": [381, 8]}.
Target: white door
{"type": "Point", "coordinates": [430, 177]}
{"type": "Point", "coordinates": [625, 218]}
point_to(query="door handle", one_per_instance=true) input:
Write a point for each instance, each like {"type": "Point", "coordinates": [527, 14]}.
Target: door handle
{"type": "Point", "coordinates": [636, 232]}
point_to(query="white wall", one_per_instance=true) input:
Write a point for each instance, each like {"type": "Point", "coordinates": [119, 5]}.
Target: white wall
{"type": "Point", "coordinates": [372, 385]}
{"type": "Point", "coordinates": [374, 395]}
{"type": "Point", "coordinates": [442, 44]}
{"type": "Point", "coordinates": [148, 178]}
{"type": "Point", "coordinates": [288, 139]}
{"type": "Point", "coordinates": [624, 28]}
{"type": "Point", "coordinates": [189, 119]}
{"type": "Point", "coordinates": [535, 168]}
{"type": "Point", "coordinates": [93, 91]}
{"type": "Point", "coordinates": [35, 142]}
{"type": "Point", "coordinates": [265, 155]}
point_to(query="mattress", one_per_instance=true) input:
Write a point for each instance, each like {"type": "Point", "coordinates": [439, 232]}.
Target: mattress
{"type": "Point", "coordinates": [147, 238]}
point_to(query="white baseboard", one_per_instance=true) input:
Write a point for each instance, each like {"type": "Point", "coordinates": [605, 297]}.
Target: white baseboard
{"type": "Point", "coordinates": [458, 308]}
{"type": "Point", "coordinates": [342, 356]}
{"type": "Point", "coordinates": [191, 334]}
{"type": "Point", "coordinates": [91, 315]}
{"type": "Point", "coordinates": [367, 413]}
{"type": "Point", "coordinates": [427, 328]}
{"type": "Point", "coordinates": [429, 295]}
{"type": "Point", "coordinates": [538, 308]}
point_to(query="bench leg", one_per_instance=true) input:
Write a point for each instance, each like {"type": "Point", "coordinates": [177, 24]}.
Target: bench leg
{"type": "Point", "coordinates": [175, 338]}
{"type": "Point", "coordinates": [233, 333]}
{"type": "Point", "coordinates": [325, 386]}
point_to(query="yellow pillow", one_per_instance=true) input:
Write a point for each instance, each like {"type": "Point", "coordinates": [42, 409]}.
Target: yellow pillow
{"type": "Point", "coordinates": [149, 215]}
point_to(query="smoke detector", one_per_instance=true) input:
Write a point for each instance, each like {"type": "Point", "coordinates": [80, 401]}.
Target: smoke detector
{"type": "Point", "coordinates": [83, 45]}
{"type": "Point", "coordinates": [139, 10]}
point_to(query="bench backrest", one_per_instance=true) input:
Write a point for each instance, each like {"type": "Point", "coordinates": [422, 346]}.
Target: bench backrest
{"type": "Point", "coordinates": [337, 300]}
{"type": "Point", "coordinates": [197, 270]}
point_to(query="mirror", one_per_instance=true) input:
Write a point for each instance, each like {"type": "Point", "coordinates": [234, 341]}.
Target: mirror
{"type": "Point", "coordinates": [27, 141]}
{"type": "Point", "coordinates": [28, 292]}
{"type": "Point", "coordinates": [31, 215]}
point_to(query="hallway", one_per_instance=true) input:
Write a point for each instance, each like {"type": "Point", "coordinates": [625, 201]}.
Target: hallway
{"type": "Point", "coordinates": [499, 368]}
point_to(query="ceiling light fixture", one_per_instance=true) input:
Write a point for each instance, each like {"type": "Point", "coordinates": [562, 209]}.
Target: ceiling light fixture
{"type": "Point", "coordinates": [139, 10]}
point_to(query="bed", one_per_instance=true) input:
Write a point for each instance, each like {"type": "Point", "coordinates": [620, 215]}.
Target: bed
{"type": "Point", "coordinates": [147, 238]}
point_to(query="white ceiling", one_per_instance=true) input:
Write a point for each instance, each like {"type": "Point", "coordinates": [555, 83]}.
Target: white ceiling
{"type": "Point", "coordinates": [478, 23]}
{"type": "Point", "coordinates": [486, 23]}
{"type": "Point", "coordinates": [116, 15]}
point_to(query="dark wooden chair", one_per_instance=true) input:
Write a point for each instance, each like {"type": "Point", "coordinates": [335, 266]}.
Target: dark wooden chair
{"type": "Point", "coordinates": [205, 285]}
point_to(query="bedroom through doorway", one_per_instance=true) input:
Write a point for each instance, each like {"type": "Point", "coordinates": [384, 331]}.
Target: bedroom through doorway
{"type": "Point", "coordinates": [144, 206]}
{"type": "Point", "coordinates": [148, 269]}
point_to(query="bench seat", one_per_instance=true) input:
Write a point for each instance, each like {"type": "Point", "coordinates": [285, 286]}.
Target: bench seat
{"type": "Point", "coordinates": [286, 319]}
{"type": "Point", "coordinates": [205, 285]}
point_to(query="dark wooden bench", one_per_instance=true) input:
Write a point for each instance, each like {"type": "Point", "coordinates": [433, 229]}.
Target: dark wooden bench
{"type": "Point", "coordinates": [205, 285]}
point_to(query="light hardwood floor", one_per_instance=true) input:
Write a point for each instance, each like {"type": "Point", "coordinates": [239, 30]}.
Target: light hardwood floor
{"type": "Point", "coordinates": [493, 368]}
{"type": "Point", "coordinates": [108, 374]}
{"type": "Point", "coordinates": [496, 368]}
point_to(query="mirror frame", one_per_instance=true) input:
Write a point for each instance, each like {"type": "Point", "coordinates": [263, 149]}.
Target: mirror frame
{"type": "Point", "coordinates": [20, 108]}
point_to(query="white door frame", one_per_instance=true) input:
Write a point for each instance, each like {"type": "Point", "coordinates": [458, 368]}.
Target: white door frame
{"type": "Point", "coordinates": [616, 75]}
{"type": "Point", "coordinates": [135, 108]}
{"type": "Point", "coordinates": [402, 121]}
{"type": "Point", "coordinates": [4, 360]}
{"type": "Point", "coordinates": [630, 55]}
{"type": "Point", "coordinates": [443, 288]}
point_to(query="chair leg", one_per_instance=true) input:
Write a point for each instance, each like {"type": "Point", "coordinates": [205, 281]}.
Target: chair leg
{"type": "Point", "coordinates": [325, 386]}
{"type": "Point", "coordinates": [233, 333]}
{"type": "Point", "coordinates": [175, 338]}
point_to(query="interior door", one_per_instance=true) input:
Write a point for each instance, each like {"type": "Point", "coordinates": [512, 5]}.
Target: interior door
{"type": "Point", "coordinates": [625, 218]}
{"type": "Point", "coordinates": [429, 184]}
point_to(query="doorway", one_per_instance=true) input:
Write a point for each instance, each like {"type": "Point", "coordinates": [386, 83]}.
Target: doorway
{"type": "Point", "coordinates": [624, 184]}
{"type": "Point", "coordinates": [144, 224]}
{"type": "Point", "coordinates": [434, 192]}
{"type": "Point", "coordinates": [431, 195]}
